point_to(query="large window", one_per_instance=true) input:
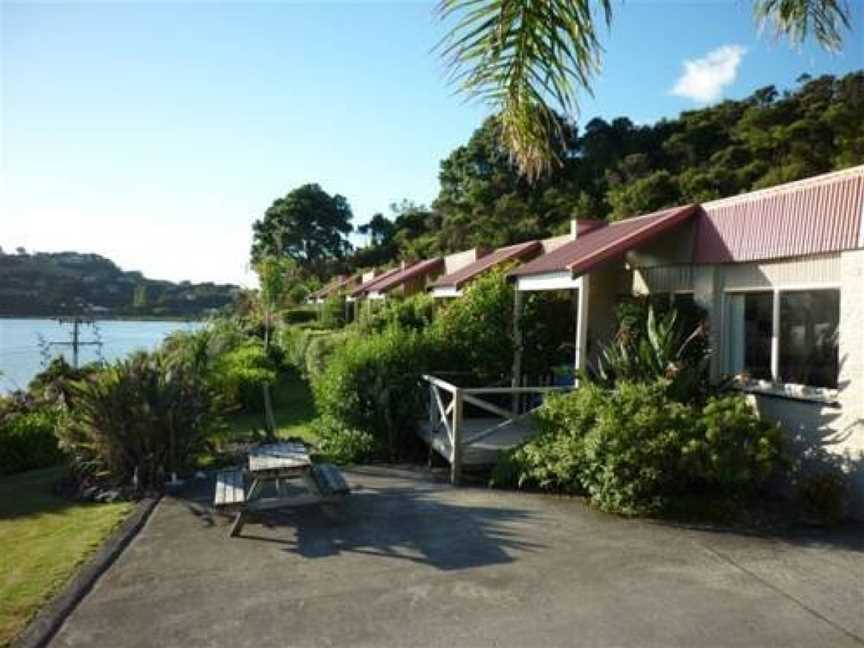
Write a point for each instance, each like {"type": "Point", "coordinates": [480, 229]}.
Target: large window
{"type": "Point", "coordinates": [749, 334]}
{"type": "Point", "coordinates": [808, 337]}
{"type": "Point", "coordinates": [784, 336]}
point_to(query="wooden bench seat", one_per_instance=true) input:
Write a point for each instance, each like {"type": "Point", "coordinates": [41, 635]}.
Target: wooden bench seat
{"type": "Point", "coordinates": [229, 489]}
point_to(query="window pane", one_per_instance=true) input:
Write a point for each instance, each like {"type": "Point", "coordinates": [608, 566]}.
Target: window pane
{"type": "Point", "coordinates": [749, 334]}
{"type": "Point", "coordinates": [683, 301]}
{"type": "Point", "coordinates": [809, 353]}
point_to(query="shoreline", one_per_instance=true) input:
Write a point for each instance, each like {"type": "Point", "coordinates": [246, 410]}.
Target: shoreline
{"type": "Point", "coordinates": [111, 318]}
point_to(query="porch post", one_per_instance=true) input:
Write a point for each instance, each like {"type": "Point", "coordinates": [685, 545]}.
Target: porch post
{"type": "Point", "coordinates": [517, 350]}
{"type": "Point", "coordinates": [581, 359]}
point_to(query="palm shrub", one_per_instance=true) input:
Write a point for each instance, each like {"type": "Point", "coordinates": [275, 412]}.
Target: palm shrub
{"type": "Point", "coordinates": [141, 417]}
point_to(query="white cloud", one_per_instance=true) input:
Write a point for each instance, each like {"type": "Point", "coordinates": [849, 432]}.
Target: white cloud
{"type": "Point", "coordinates": [704, 78]}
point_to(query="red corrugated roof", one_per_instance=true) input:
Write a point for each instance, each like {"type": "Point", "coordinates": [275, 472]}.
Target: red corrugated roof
{"type": "Point", "coordinates": [462, 276]}
{"type": "Point", "coordinates": [605, 243]}
{"type": "Point", "coordinates": [417, 270]}
{"type": "Point", "coordinates": [813, 216]}
{"type": "Point", "coordinates": [338, 283]}
{"type": "Point", "coordinates": [374, 281]}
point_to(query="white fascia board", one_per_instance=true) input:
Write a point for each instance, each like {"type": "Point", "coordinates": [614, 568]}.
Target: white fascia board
{"type": "Point", "coordinates": [548, 281]}
{"type": "Point", "coordinates": [446, 291]}
{"type": "Point", "coordinates": [377, 295]}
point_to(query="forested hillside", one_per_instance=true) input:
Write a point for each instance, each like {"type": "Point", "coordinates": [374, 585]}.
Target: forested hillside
{"type": "Point", "coordinates": [617, 169]}
{"type": "Point", "coordinates": [68, 282]}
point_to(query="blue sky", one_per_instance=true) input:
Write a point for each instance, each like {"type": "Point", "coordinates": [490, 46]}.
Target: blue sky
{"type": "Point", "coordinates": [155, 133]}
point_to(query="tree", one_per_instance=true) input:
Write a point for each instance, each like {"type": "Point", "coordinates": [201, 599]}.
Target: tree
{"type": "Point", "coordinates": [527, 58]}
{"type": "Point", "coordinates": [307, 225]}
{"type": "Point", "coordinates": [379, 229]}
{"type": "Point", "coordinates": [273, 280]}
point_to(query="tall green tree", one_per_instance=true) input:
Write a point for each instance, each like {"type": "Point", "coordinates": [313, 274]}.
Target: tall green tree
{"type": "Point", "coordinates": [529, 58]}
{"type": "Point", "coordinates": [307, 225]}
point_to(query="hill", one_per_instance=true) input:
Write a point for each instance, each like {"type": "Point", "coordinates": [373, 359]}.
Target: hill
{"type": "Point", "coordinates": [46, 284]}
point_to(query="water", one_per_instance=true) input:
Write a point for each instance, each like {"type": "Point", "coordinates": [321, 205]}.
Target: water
{"type": "Point", "coordinates": [21, 358]}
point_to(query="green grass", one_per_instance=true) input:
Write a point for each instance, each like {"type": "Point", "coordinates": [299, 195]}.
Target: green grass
{"type": "Point", "coordinates": [293, 408]}
{"type": "Point", "coordinates": [43, 540]}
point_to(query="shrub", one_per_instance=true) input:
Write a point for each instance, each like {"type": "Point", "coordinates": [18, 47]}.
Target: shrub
{"type": "Point", "coordinates": [632, 454]}
{"type": "Point", "coordinates": [320, 349]}
{"type": "Point", "coordinates": [28, 441]}
{"type": "Point", "coordinates": [632, 447]}
{"type": "Point", "coordinates": [475, 332]}
{"type": "Point", "coordinates": [333, 313]}
{"type": "Point", "coordinates": [553, 459]}
{"type": "Point", "coordinates": [298, 316]}
{"type": "Point", "coordinates": [139, 417]}
{"type": "Point", "coordinates": [823, 496]}
{"type": "Point", "coordinates": [294, 341]}
{"type": "Point", "coordinates": [240, 374]}
{"type": "Point", "coordinates": [734, 449]}
{"type": "Point", "coordinates": [415, 313]}
{"type": "Point", "coordinates": [343, 445]}
{"type": "Point", "coordinates": [372, 385]}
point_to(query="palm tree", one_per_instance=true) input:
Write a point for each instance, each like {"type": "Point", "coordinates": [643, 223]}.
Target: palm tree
{"type": "Point", "coordinates": [527, 58]}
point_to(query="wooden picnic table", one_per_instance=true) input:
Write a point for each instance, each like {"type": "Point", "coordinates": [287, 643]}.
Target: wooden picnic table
{"type": "Point", "coordinates": [274, 464]}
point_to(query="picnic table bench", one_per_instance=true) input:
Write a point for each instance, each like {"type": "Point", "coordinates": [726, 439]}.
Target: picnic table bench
{"type": "Point", "coordinates": [274, 463]}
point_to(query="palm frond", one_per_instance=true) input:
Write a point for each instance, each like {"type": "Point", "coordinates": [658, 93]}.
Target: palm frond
{"type": "Point", "coordinates": [526, 58]}
{"type": "Point", "coordinates": [797, 19]}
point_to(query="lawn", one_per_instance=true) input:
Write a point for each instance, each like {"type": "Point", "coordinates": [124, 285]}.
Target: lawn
{"type": "Point", "coordinates": [43, 539]}
{"type": "Point", "coordinates": [293, 407]}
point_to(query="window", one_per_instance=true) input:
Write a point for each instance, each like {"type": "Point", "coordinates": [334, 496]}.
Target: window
{"type": "Point", "coordinates": [809, 353]}
{"type": "Point", "coordinates": [684, 302]}
{"type": "Point", "coordinates": [749, 334]}
{"type": "Point", "coordinates": [800, 348]}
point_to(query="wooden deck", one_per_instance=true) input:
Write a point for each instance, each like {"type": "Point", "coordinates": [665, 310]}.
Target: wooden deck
{"type": "Point", "coordinates": [485, 451]}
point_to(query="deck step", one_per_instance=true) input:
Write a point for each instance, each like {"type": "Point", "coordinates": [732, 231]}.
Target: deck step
{"type": "Point", "coordinates": [229, 488]}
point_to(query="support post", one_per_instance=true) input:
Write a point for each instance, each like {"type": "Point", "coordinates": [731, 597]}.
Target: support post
{"type": "Point", "coordinates": [581, 360]}
{"type": "Point", "coordinates": [517, 350]}
{"type": "Point", "coordinates": [456, 450]}
{"type": "Point", "coordinates": [433, 412]}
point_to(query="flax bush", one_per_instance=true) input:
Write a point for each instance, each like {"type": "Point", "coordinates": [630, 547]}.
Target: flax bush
{"type": "Point", "coordinates": [144, 417]}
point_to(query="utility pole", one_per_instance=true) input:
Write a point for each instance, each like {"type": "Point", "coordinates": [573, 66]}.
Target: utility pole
{"type": "Point", "coordinates": [77, 322]}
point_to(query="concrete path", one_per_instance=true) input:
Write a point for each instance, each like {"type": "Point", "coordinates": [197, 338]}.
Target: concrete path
{"type": "Point", "coordinates": [405, 561]}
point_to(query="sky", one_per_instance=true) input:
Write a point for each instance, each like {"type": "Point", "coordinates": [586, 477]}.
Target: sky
{"type": "Point", "coordinates": [156, 133]}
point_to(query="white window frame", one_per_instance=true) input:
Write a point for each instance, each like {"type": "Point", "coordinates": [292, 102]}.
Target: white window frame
{"type": "Point", "coordinates": [775, 387]}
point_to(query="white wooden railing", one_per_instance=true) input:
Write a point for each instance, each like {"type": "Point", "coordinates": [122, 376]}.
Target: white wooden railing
{"type": "Point", "coordinates": [446, 413]}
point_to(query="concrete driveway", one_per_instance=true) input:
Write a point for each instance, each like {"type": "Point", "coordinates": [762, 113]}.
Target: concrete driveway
{"type": "Point", "coordinates": [406, 561]}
